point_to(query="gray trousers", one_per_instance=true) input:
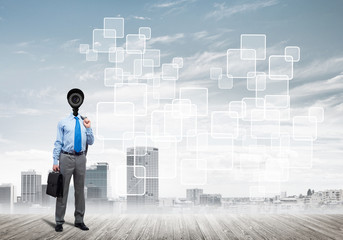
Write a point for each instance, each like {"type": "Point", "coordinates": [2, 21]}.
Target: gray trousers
{"type": "Point", "coordinates": [72, 165]}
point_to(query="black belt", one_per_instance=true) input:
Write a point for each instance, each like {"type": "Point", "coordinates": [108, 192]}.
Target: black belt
{"type": "Point", "coordinates": [72, 153]}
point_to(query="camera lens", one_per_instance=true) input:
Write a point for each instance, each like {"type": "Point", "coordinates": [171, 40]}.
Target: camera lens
{"type": "Point", "coordinates": [75, 99]}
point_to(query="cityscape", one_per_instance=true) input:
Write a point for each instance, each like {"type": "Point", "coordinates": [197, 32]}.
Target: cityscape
{"type": "Point", "coordinates": [142, 194]}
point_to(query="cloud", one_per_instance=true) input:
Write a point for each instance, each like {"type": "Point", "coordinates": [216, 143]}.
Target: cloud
{"type": "Point", "coordinates": [141, 18]}
{"type": "Point", "coordinates": [319, 68]}
{"type": "Point", "coordinates": [166, 39]}
{"type": "Point", "coordinates": [222, 11]}
{"type": "Point", "coordinates": [198, 65]}
{"type": "Point", "coordinates": [4, 141]}
{"type": "Point", "coordinates": [176, 7]}
{"type": "Point", "coordinates": [171, 4]}
{"type": "Point", "coordinates": [73, 43]}
{"type": "Point", "coordinates": [21, 52]}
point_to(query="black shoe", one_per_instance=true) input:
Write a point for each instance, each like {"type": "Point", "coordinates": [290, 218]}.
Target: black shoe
{"type": "Point", "coordinates": [58, 228]}
{"type": "Point", "coordinates": [82, 226]}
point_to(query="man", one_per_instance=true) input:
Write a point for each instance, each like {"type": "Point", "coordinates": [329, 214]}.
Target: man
{"type": "Point", "coordinates": [73, 135]}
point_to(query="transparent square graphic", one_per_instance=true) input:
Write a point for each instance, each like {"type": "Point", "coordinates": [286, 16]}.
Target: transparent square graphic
{"type": "Point", "coordinates": [318, 113]}
{"type": "Point", "coordinates": [170, 71]}
{"type": "Point", "coordinates": [116, 24]}
{"type": "Point", "coordinates": [182, 108]}
{"type": "Point", "coordinates": [83, 48]}
{"type": "Point", "coordinates": [116, 55]}
{"type": "Point", "coordinates": [198, 97]}
{"type": "Point", "coordinates": [178, 61]}
{"type": "Point", "coordinates": [215, 73]}
{"type": "Point", "coordinates": [145, 31]}
{"type": "Point", "coordinates": [225, 82]}
{"type": "Point", "coordinates": [256, 81]}
{"type": "Point", "coordinates": [256, 42]}
{"type": "Point", "coordinates": [154, 55]}
{"type": "Point", "coordinates": [293, 51]}
{"type": "Point", "coordinates": [129, 65]}
{"type": "Point", "coordinates": [101, 43]}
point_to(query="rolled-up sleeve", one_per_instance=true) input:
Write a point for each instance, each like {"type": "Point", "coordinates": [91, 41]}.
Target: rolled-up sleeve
{"type": "Point", "coordinates": [90, 136]}
{"type": "Point", "coordinates": [58, 143]}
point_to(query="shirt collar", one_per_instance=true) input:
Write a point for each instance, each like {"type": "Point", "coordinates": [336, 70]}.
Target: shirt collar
{"type": "Point", "coordinates": [71, 116]}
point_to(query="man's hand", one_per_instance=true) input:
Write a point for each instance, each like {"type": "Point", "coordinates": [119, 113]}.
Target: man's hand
{"type": "Point", "coordinates": [87, 123]}
{"type": "Point", "coordinates": [55, 168]}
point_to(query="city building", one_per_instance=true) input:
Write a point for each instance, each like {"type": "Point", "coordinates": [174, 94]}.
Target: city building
{"type": "Point", "coordinates": [193, 195]}
{"type": "Point", "coordinates": [326, 197]}
{"type": "Point", "coordinates": [7, 197]}
{"type": "Point", "coordinates": [142, 188]}
{"type": "Point", "coordinates": [211, 199]}
{"type": "Point", "coordinates": [31, 187]}
{"type": "Point", "coordinates": [97, 181]}
{"type": "Point", "coordinates": [283, 195]}
{"type": "Point", "coordinates": [46, 199]}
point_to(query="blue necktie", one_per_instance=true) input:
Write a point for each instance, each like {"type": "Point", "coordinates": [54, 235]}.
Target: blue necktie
{"type": "Point", "coordinates": [77, 137]}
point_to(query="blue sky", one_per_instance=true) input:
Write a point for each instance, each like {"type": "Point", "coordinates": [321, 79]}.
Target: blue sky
{"type": "Point", "coordinates": [40, 62]}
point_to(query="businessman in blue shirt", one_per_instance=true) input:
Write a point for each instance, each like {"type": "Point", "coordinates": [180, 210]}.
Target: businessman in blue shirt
{"type": "Point", "coordinates": [69, 158]}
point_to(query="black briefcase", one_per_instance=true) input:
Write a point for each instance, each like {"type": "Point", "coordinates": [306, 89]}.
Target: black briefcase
{"type": "Point", "coordinates": [55, 184]}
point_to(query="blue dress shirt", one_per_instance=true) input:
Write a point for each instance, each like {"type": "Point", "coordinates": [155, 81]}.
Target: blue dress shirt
{"type": "Point", "coordinates": [65, 136]}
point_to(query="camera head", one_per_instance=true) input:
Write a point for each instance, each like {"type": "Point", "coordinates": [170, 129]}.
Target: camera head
{"type": "Point", "coordinates": [75, 99]}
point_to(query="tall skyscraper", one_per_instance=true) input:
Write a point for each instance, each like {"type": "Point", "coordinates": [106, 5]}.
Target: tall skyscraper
{"type": "Point", "coordinates": [31, 187]}
{"type": "Point", "coordinates": [193, 195]}
{"type": "Point", "coordinates": [7, 196]}
{"type": "Point", "coordinates": [148, 158]}
{"type": "Point", "coordinates": [97, 180]}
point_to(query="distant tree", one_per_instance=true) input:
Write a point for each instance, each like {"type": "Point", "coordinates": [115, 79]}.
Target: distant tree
{"type": "Point", "coordinates": [312, 191]}
{"type": "Point", "coordinates": [309, 192]}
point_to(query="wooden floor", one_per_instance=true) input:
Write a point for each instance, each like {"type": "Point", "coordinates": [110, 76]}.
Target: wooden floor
{"type": "Point", "coordinates": [269, 226]}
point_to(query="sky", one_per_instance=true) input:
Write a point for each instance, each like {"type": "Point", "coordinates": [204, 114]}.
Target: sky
{"type": "Point", "coordinates": [40, 62]}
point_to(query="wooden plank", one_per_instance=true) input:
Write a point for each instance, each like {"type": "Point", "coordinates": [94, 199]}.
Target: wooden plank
{"type": "Point", "coordinates": [194, 232]}
{"type": "Point", "coordinates": [280, 230]}
{"type": "Point", "coordinates": [178, 226]}
{"type": "Point", "coordinates": [297, 226]}
{"type": "Point", "coordinates": [324, 227]}
{"type": "Point", "coordinates": [221, 228]}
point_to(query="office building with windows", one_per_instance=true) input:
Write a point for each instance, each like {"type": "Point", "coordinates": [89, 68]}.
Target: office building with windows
{"type": "Point", "coordinates": [31, 187]}
{"type": "Point", "coordinates": [97, 181]}
{"type": "Point", "coordinates": [142, 176]}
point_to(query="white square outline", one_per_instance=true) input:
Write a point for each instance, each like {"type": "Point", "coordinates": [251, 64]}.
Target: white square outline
{"type": "Point", "coordinates": [118, 34]}
{"type": "Point", "coordinates": [298, 57]}
{"type": "Point", "coordinates": [256, 35]}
